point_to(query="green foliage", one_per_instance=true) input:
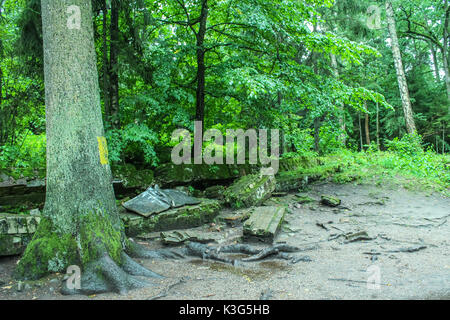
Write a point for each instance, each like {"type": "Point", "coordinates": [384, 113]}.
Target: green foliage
{"type": "Point", "coordinates": [134, 142]}
{"type": "Point", "coordinates": [302, 140]}
{"type": "Point", "coordinates": [421, 170]}
{"type": "Point", "coordinates": [27, 159]}
{"type": "Point", "coordinates": [268, 65]}
{"type": "Point", "coordinates": [408, 146]}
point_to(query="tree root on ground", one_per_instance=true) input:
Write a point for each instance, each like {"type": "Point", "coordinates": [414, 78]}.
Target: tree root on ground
{"type": "Point", "coordinates": [279, 251]}
{"type": "Point", "coordinates": [137, 251]}
{"type": "Point", "coordinates": [105, 275]}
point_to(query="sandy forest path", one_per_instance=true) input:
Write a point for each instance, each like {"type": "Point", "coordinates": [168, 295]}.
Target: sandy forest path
{"type": "Point", "coordinates": [401, 237]}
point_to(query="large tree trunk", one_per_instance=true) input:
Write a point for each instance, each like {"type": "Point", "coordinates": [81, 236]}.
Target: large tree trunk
{"type": "Point", "coordinates": [80, 224]}
{"type": "Point", "coordinates": [201, 67]}
{"type": "Point", "coordinates": [401, 78]}
{"type": "Point", "coordinates": [113, 71]}
{"type": "Point", "coordinates": [2, 122]}
{"type": "Point", "coordinates": [106, 94]}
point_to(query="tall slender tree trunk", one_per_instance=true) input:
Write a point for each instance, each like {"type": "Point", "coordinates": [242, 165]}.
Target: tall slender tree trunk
{"type": "Point", "coordinates": [401, 78]}
{"type": "Point", "coordinates": [443, 138]}
{"type": "Point", "coordinates": [447, 75]}
{"type": "Point", "coordinates": [361, 144]}
{"type": "Point", "coordinates": [366, 125]}
{"type": "Point", "coordinates": [367, 129]}
{"type": "Point", "coordinates": [435, 61]}
{"type": "Point", "coordinates": [201, 67]}
{"type": "Point", "coordinates": [113, 71]}
{"type": "Point", "coordinates": [80, 224]}
{"type": "Point", "coordinates": [378, 127]}
{"type": "Point", "coordinates": [446, 52]}
{"type": "Point", "coordinates": [437, 145]}
{"type": "Point", "coordinates": [317, 135]}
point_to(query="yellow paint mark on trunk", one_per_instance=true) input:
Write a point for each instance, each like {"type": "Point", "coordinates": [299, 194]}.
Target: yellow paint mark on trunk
{"type": "Point", "coordinates": [103, 150]}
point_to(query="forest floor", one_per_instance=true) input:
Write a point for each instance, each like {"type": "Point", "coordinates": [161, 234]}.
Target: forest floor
{"type": "Point", "coordinates": [409, 246]}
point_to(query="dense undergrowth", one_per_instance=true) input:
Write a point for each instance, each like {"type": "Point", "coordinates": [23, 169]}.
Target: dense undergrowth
{"type": "Point", "coordinates": [404, 162]}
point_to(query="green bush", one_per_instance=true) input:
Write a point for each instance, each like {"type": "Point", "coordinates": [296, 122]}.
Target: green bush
{"type": "Point", "coordinates": [135, 142]}
{"type": "Point", "coordinates": [408, 145]}
{"type": "Point", "coordinates": [26, 158]}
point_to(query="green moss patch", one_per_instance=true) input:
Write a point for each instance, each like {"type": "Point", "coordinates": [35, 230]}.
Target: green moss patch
{"type": "Point", "coordinates": [47, 252]}
{"type": "Point", "coordinates": [250, 190]}
{"type": "Point", "coordinates": [97, 236]}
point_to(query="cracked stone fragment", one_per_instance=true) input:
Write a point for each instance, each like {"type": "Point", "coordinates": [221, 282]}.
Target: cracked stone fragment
{"type": "Point", "coordinates": [155, 200]}
{"type": "Point", "coordinates": [264, 223]}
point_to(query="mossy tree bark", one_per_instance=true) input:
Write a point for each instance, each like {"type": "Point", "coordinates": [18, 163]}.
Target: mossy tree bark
{"type": "Point", "coordinates": [81, 225]}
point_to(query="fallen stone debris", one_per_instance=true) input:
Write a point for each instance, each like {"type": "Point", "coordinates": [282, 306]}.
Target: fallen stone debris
{"type": "Point", "coordinates": [264, 223]}
{"type": "Point", "coordinates": [250, 191]}
{"type": "Point", "coordinates": [330, 201]}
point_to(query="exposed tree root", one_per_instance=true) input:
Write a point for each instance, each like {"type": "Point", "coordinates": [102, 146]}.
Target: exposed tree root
{"type": "Point", "coordinates": [137, 251]}
{"type": "Point", "coordinates": [214, 253]}
{"type": "Point", "coordinates": [135, 269]}
{"type": "Point", "coordinates": [104, 275]}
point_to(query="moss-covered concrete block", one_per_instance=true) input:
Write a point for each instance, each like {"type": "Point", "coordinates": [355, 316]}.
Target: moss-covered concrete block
{"type": "Point", "coordinates": [251, 190]}
{"type": "Point", "coordinates": [215, 192]}
{"type": "Point", "coordinates": [330, 201]}
{"type": "Point", "coordinates": [13, 244]}
{"type": "Point", "coordinates": [16, 232]}
{"type": "Point", "coordinates": [298, 163]}
{"type": "Point", "coordinates": [264, 223]}
{"type": "Point", "coordinates": [132, 177]}
{"type": "Point", "coordinates": [302, 199]}
{"type": "Point", "coordinates": [291, 180]}
{"type": "Point", "coordinates": [171, 175]}
{"type": "Point", "coordinates": [18, 224]}
{"type": "Point", "coordinates": [177, 218]}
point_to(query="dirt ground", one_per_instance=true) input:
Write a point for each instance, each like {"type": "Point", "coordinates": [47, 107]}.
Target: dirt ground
{"type": "Point", "coordinates": [408, 251]}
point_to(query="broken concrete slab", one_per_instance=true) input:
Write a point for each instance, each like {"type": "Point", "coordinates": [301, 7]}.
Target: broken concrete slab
{"type": "Point", "coordinates": [264, 223]}
{"type": "Point", "coordinates": [251, 190]}
{"type": "Point", "coordinates": [18, 224]}
{"type": "Point", "coordinates": [176, 218]}
{"type": "Point", "coordinates": [179, 236]}
{"type": "Point", "coordinates": [291, 181]}
{"type": "Point", "coordinates": [215, 192]}
{"type": "Point", "coordinates": [147, 203]}
{"type": "Point", "coordinates": [238, 217]}
{"type": "Point", "coordinates": [155, 200]}
{"type": "Point", "coordinates": [170, 175]}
